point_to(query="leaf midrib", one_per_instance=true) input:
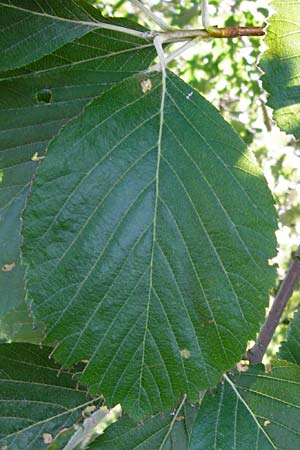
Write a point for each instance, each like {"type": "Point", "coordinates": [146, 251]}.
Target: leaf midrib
{"type": "Point", "coordinates": [154, 239]}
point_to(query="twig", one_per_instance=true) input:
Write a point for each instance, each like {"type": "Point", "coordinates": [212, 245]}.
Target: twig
{"type": "Point", "coordinates": [173, 55]}
{"type": "Point", "coordinates": [227, 33]}
{"type": "Point", "coordinates": [192, 37]}
{"type": "Point", "coordinates": [256, 353]}
{"type": "Point", "coordinates": [166, 36]}
{"type": "Point", "coordinates": [204, 14]}
{"type": "Point", "coordinates": [236, 31]}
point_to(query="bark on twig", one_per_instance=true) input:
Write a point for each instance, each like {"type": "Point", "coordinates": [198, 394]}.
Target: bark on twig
{"type": "Point", "coordinates": [211, 32]}
{"type": "Point", "coordinates": [256, 353]}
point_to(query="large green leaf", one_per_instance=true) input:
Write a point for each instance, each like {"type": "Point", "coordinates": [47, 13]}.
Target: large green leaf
{"type": "Point", "coordinates": [281, 65]}
{"type": "Point", "coordinates": [36, 398]}
{"type": "Point", "coordinates": [35, 103]}
{"type": "Point", "coordinates": [147, 253]}
{"type": "Point", "coordinates": [159, 432]}
{"type": "Point", "coordinates": [290, 349]}
{"type": "Point", "coordinates": [251, 410]}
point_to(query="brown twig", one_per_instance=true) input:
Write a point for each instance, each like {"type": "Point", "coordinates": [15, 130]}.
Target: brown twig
{"type": "Point", "coordinates": [237, 31]}
{"type": "Point", "coordinates": [256, 353]}
{"type": "Point", "coordinates": [211, 32]}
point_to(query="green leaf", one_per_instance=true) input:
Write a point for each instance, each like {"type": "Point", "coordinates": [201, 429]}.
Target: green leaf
{"type": "Point", "coordinates": [30, 29]}
{"type": "Point", "coordinates": [251, 410]}
{"type": "Point", "coordinates": [36, 398]}
{"type": "Point", "coordinates": [144, 255]}
{"type": "Point", "coordinates": [290, 349]}
{"type": "Point", "coordinates": [281, 65]}
{"type": "Point", "coordinates": [159, 432]}
{"type": "Point", "coordinates": [35, 103]}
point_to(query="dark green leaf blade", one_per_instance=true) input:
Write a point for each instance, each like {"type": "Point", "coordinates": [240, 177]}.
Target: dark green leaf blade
{"type": "Point", "coordinates": [160, 432]}
{"type": "Point", "coordinates": [251, 410]}
{"type": "Point", "coordinates": [35, 103]}
{"type": "Point", "coordinates": [290, 348]}
{"type": "Point", "coordinates": [29, 29]}
{"type": "Point", "coordinates": [35, 397]}
{"type": "Point", "coordinates": [281, 65]}
{"type": "Point", "coordinates": [143, 257]}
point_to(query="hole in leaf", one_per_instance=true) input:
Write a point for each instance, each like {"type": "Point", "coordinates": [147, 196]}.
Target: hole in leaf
{"type": "Point", "coordinates": [146, 86]}
{"type": "Point", "coordinates": [44, 96]}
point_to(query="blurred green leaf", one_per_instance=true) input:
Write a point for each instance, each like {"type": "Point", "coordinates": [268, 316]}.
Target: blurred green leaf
{"type": "Point", "coordinates": [290, 349]}
{"type": "Point", "coordinates": [281, 65]}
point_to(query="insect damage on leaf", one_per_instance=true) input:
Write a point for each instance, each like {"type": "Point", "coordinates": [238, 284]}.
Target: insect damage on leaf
{"type": "Point", "coordinates": [8, 267]}
{"type": "Point", "coordinates": [47, 438]}
{"type": "Point", "coordinates": [189, 95]}
{"type": "Point", "coordinates": [242, 367]}
{"type": "Point", "coordinates": [36, 157]}
{"type": "Point", "coordinates": [146, 85]}
{"type": "Point", "coordinates": [185, 353]}
{"type": "Point", "coordinates": [179, 418]}
{"type": "Point", "coordinates": [88, 411]}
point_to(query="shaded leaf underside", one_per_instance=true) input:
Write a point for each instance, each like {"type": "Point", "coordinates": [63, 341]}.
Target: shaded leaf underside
{"type": "Point", "coordinates": [252, 410]}
{"type": "Point", "coordinates": [148, 259]}
{"type": "Point", "coordinates": [17, 326]}
{"type": "Point", "coordinates": [35, 397]}
{"type": "Point", "coordinates": [30, 29]}
{"type": "Point", "coordinates": [281, 63]}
